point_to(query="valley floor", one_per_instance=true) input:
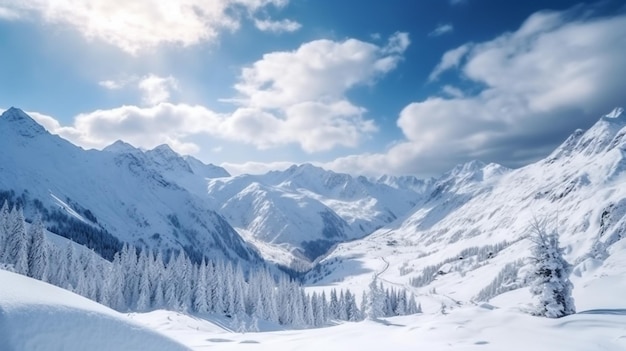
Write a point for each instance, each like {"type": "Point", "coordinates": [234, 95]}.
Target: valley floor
{"type": "Point", "coordinates": [471, 328]}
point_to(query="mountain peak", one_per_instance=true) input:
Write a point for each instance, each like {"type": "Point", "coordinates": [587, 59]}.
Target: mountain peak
{"type": "Point", "coordinates": [166, 149]}
{"type": "Point", "coordinates": [467, 167]}
{"type": "Point", "coordinates": [601, 134]}
{"type": "Point", "coordinates": [616, 113]}
{"type": "Point", "coordinates": [120, 146]}
{"type": "Point", "coordinates": [22, 123]}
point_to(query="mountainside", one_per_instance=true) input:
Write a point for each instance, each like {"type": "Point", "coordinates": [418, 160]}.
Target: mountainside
{"type": "Point", "coordinates": [163, 200]}
{"type": "Point", "coordinates": [304, 210]}
{"type": "Point", "coordinates": [472, 222]}
{"type": "Point", "coordinates": [146, 198]}
{"type": "Point", "coordinates": [474, 225]}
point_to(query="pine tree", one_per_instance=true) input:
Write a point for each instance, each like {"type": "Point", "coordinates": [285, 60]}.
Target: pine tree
{"type": "Point", "coordinates": [143, 300]}
{"type": "Point", "coordinates": [551, 286]}
{"type": "Point", "coordinates": [37, 251]}
{"type": "Point", "coordinates": [200, 298]}
{"type": "Point", "coordinates": [375, 301]}
{"type": "Point", "coordinates": [413, 307]}
{"type": "Point", "coordinates": [17, 243]}
{"type": "Point", "coordinates": [4, 230]}
{"type": "Point", "coordinates": [333, 308]}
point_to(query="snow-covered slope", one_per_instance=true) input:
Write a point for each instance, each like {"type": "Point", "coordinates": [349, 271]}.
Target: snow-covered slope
{"type": "Point", "coordinates": [37, 316]}
{"type": "Point", "coordinates": [305, 209]}
{"type": "Point", "coordinates": [140, 197]}
{"type": "Point", "coordinates": [472, 229]}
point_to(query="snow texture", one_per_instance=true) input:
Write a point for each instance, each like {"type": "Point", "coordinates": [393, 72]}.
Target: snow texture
{"type": "Point", "coordinates": [37, 316]}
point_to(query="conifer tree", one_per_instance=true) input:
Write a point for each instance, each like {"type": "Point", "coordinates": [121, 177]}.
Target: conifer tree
{"type": "Point", "coordinates": [375, 301]}
{"type": "Point", "coordinates": [551, 286]}
{"type": "Point", "coordinates": [37, 251]}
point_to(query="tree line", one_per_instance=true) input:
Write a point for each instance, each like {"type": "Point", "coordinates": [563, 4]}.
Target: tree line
{"type": "Point", "coordinates": [143, 280]}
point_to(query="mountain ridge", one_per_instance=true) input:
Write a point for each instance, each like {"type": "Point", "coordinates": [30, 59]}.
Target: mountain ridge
{"type": "Point", "coordinates": [293, 217]}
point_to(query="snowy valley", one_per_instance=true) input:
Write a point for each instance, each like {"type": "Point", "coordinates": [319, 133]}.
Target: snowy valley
{"type": "Point", "coordinates": [282, 260]}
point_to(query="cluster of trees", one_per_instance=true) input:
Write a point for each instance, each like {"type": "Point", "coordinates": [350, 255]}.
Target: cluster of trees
{"type": "Point", "coordinates": [141, 280]}
{"type": "Point", "coordinates": [481, 254]}
{"type": "Point", "coordinates": [506, 280]}
{"type": "Point", "coordinates": [380, 302]}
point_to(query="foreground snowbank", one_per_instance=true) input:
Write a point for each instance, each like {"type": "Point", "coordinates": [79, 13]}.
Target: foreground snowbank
{"type": "Point", "coordinates": [38, 316]}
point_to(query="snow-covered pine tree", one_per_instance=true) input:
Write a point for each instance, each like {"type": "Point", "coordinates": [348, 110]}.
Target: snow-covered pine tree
{"type": "Point", "coordinates": [200, 296]}
{"type": "Point", "coordinates": [17, 242]}
{"type": "Point", "coordinates": [352, 311]}
{"type": "Point", "coordinates": [550, 285]}
{"type": "Point", "coordinates": [413, 307]}
{"type": "Point", "coordinates": [375, 301]}
{"type": "Point", "coordinates": [333, 308]}
{"type": "Point", "coordinates": [4, 229]}
{"type": "Point", "coordinates": [37, 251]}
{"type": "Point", "coordinates": [343, 312]}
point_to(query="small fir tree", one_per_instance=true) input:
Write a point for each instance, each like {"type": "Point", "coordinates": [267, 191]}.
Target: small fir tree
{"type": "Point", "coordinates": [550, 285]}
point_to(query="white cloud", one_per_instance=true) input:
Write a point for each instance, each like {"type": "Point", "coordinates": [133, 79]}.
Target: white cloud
{"type": "Point", "coordinates": [141, 126]}
{"type": "Point", "coordinates": [398, 43]}
{"type": "Point", "coordinates": [452, 91]}
{"type": "Point", "coordinates": [442, 29]}
{"type": "Point", "coordinates": [450, 59]}
{"type": "Point", "coordinates": [140, 24]}
{"type": "Point", "coordinates": [321, 70]}
{"type": "Point", "coordinates": [156, 89]}
{"type": "Point", "coordinates": [46, 121]}
{"type": "Point", "coordinates": [118, 84]}
{"type": "Point", "coordinates": [110, 84]}
{"type": "Point", "coordinates": [538, 84]}
{"type": "Point", "coordinates": [285, 25]}
{"type": "Point", "coordinates": [300, 96]}
{"type": "Point", "coordinates": [255, 167]}
{"type": "Point", "coordinates": [8, 14]}
{"type": "Point", "coordinates": [286, 98]}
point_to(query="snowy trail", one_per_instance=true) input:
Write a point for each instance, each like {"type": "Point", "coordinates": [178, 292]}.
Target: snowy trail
{"type": "Point", "coordinates": [378, 274]}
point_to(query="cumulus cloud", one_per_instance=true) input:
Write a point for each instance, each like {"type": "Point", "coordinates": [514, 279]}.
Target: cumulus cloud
{"type": "Point", "coordinates": [140, 24]}
{"type": "Point", "coordinates": [537, 85]}
{"type": "Point", "coordinates": [300, 96]}
{"type": "Point", "coordinates": [321, 70]}
{"type": "Point", "coordinates": [156, 89]}
{"type": "Point", "coordinates": [442, 29]}
{"type": "Point", "coordinates": [141, 126]}
{"type": "Point", "coordinates": [284, 25]}
{"type": "Point", "coordinates": [296, 97]}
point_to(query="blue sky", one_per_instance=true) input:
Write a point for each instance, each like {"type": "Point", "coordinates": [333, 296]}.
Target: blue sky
{"type": "Point", "coordinates": [400, 87]}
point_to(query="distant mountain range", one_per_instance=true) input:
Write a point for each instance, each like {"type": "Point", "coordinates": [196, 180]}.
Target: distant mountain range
{"type": "Point", "coordinates": [306, 215]}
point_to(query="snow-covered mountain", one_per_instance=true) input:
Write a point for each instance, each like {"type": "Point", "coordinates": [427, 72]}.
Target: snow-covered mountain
{"type": "Point", "coordinates": [305, 210]}
{"type": "Point", "coordinates": [149, 198]}
{"type": "Point", "coordinates": [294, 217]}
{"type": "Point", "coordinates": [161, 199]}
{"type": "Point", "coordinates": [467, 239]}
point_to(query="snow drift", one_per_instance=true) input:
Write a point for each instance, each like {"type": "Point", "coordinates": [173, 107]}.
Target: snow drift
{"type": "Point", "coordinates": [38, 316]}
